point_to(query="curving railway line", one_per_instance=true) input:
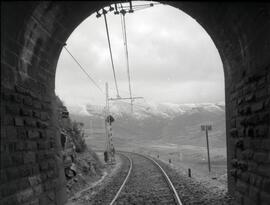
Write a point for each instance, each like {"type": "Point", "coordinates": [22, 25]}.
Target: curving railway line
{"type": "Point", "coordinates": [145, 183]}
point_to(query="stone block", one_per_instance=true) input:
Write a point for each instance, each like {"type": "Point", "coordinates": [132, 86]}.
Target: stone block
{"type": "Point", "coordinates": [238, 198]}
{"type": "Point", "coordinates": [20, 90]}
{"type": "Point", "coordinates": [252, 120]}
{"type": "Point", "coordinates": [17, 98]}
{"type": "Point", "coordinates": [33, 202]}
{"type": "Point", "coordinates": [261, 93]}
{"type": "Point", "coordinates": [29, 157]}
{"type": "Point", "coordinates": [25, 171]}
{"type": "Point", "coordinates": [261, 130]}
{"type": "Point", "coordinates": [261, 82]}
{"type": "Point", "coordinates": [18, 121]}
{"type": "Point", "coordinates": [34, 180]}
{"type": "Point", "coordinates": [20, 146]}
{"type": "Point", "coordinates": [23, 183]}
{"type": "Point", "coordinates": [30, 146]}
{"type": "Point", "coordinates": [240, 101]}
{"type": "Point", "coordinates": [37, 105]}
{"type": "Point", "coordinates": [35, 169]}
{"type": "Point", "coordinates": [3, 176]}
{"type": "Point", "coordinates": [25, 195]}
{"type": "Point", "coordinates": [11, 132]}
{"type": "Point", "coordinates": [233, 123]}
{"type": "Point", "coordinates": [48, 185]}
{"type": "Point", "coordinates": [44, 166]}
{"type": "Point", "coordinates": [51, 163]}
{"type": "Point", "coordinates": [245, 177]}
{"type": "Point", "coordinates": [266, 144]}
{"type": "Point", "coordinates": [248, 110]}
{"type": "Point", "coordinates": [248, 201]}
{"type": "Point", "coordinates": [250, 132]}
{"type": "Point", "coordinates": [260, 157]}
{"type": "Point", "coordinates": [42, 125]}
{"type": "Point", "coordinates": [51, 196]}
{"type": "Point", "coordinates": [50, 174]}
{"type": "Point", "coordinates": [36, 114]}
{"type": "Point", "coordinates": [8, 120]}
{"type": "Point", "coordinates": [12, 173]}
{"type": "Point", "coordinates": [17, 159]}
{"type": "Point", "coordinates": [247, 154]}
{"type": "Point", "coordinates": [265, 198]}
{"type": "Point", "coordinates": [43, 177]}
{"type": "Point", "coordinates": [242, 187]}
{"type": "Point", "coordinates": [42, 145]}
{"type": "Point", "coordinates": [257, 107]}
{"type": "Point", "coordinates": [11, 147]}
{"type": "Point", "coordinates": [266, 185]}
{"type": "Point", "coordinates": [239, 144]}
{"type": "Point", "coordinates": [254, 194]}
{"type": "Point", "coordinates": [5, 160]}
{"type": "Point", "coordinates": [234, 132]}
{"type": "Point", "coordinates": [12, 109]}
{"type": "Point", "coordinates": [243, 165]}
{"type": "Point", "coordinates": [25, 112]}
{"type": "Point", "coordinates": [250, 97]}
{"type": "Point", "coordinates": [252, 166]}
{"type": "Point", "coordinates": [9, 189]}
{"type": "Point", "coordinates": [265, 118]}
{"type": "Point", "coordinates": [44, 116]}
{"type": "Point", "coordinates": [30, 122]}
{"type": "Point", "coordinates": [42, 134]}
{"type": "Point", "coordinates": [263, 170]}
{"type": "Point", "coordinates": [38, 189]}
{"type": "Point", "coordinates": [21, 133]}
{"type": "Point", "coordinates": [33, 134]}
{"type": "Point", "coordinates": [27, 101]}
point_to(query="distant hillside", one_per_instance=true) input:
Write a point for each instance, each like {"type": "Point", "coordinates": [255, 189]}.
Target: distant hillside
{"type": "Point", "coordinates": [158, 123]}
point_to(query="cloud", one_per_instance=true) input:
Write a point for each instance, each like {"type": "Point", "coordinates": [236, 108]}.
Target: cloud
{"type": "Point", "coordinates": [172, 58]}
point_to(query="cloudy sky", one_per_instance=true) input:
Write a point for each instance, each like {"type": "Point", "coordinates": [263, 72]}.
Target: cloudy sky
{"type": "Point", "coordinates": [172, 59]}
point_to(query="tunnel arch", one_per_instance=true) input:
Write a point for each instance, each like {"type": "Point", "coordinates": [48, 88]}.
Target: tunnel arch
{"type": "Point", "coordinates": [32, 37]}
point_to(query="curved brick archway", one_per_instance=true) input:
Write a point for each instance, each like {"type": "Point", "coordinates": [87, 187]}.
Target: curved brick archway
{"type": "Point", "coordinates": [32, 37]}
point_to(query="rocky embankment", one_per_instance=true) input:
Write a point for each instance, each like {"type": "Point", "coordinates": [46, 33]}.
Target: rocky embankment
{"type": "Point", "coordinates": [103, 189]}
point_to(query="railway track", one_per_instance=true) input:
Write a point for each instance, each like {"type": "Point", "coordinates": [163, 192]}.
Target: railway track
{"type": "Point", "coordinates": [145, 183]}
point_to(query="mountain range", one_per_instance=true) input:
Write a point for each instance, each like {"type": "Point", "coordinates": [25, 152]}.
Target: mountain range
{"type": "Point", "coordinates": [155, 123]}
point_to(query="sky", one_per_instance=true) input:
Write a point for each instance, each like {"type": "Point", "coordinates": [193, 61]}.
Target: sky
{"type": "Point", "coordinates": [171, 57]}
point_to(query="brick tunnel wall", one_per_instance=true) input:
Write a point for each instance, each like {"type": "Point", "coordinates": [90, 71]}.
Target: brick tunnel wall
{"type": "Point", "coordinates": [32, 36]}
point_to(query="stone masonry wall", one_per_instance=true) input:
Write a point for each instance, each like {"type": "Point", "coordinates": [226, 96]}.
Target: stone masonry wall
{"type": "Point", "coordinates": [32, 36]}
{"type": "Point", "coordinates": [250, 122]}
{"type": "Point", "coordinates": [31, 170]}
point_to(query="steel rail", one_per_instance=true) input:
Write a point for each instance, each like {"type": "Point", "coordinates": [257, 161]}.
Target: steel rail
{"type": "Point", "coordinates": [120, 189]}
{"type": "Point", "coordinates": [167, 178]}
{"type": "Point", "coordinates": [176, 196]}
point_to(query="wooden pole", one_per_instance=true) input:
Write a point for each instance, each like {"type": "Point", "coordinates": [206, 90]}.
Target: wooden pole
{"type": "Point", "coordinates": [208, 154]}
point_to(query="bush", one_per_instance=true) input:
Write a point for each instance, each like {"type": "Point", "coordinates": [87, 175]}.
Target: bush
{"type": "Point", "coordinates": [77, 135]}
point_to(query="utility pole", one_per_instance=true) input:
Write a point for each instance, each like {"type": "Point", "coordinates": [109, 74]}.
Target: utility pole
{"type": "Point", "coordinates": [106, 114]}
{"type": "Point", "coordinates": [206, 128]}
{"type": "Point", "coordinates": [108, 121]}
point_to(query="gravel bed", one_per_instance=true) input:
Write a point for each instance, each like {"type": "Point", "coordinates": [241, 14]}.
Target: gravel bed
{"type": "Point", "coordinates": [104, 192]}
{"type": "Point", "coordinates": [193, 192]}
{"type": "Point", "coordinates": [146, 185]}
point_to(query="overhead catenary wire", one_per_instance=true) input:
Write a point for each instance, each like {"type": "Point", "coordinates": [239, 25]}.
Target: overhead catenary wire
{"type": "Point", "coordinates": [80, 66]}
{"type": "Point", "coordinates": [108, 37]}
{"type": "Point", "coordinates": [123, 24]}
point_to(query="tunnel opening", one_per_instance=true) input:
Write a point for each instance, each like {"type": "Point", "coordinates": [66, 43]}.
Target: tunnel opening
{"type": "Point", "coordinates": [159, 127]}
{"type": "Point", "coordinates": [30, 142]}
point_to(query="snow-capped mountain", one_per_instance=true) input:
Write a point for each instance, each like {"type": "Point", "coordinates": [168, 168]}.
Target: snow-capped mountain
{"type": "Point", "coordinates": [152, 123]}
{"type": "Point", "coordinates": [145, 110]}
